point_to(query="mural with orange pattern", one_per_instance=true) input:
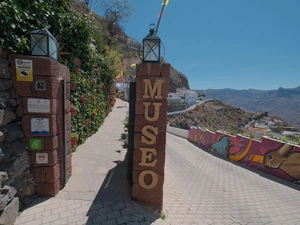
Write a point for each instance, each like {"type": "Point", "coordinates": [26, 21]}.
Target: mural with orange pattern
{"type": "Point", "coordinates": [268, 155]}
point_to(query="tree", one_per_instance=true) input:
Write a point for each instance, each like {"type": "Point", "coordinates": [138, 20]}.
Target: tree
{"type": "Point", "coordinates": [115, 12]}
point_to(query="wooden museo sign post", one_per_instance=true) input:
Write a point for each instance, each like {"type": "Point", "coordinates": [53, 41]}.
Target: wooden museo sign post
{"type": "Point", "coordinates": [152, 85]}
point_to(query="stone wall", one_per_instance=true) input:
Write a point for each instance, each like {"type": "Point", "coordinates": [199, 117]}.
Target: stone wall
{"type": "Point", "coordinates": [152, 81]}
{"type": "Point", "coordinates": [175, 108]}
{"type": "Point", "coordinates": [51, 161]}
{"type": "Point", "coordinates": [14, 159]}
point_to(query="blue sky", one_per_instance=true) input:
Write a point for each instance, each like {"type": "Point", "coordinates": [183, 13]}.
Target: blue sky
{"type": "Point", "coordinates": [237, 44]}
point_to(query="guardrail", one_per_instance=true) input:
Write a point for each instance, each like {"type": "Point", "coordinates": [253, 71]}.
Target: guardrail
{"type": "Point", "coordinates": [177, 131]}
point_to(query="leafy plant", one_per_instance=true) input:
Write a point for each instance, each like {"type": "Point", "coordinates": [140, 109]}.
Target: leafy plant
{"type": "Point", "coordinates": [74, 135]}
{"type": "Point", "coordinates": [163, 215]}
{"type": "Point", "coordinates": [74, 31]}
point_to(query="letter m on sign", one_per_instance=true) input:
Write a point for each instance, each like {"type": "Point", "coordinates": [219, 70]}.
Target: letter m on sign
{"type": "Point", "coordinates": [154, 91]}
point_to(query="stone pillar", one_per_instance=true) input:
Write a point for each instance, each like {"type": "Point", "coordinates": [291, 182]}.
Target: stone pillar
{"type": "Point", "coordinates": [152, 85]}
{"type": "Point", "coordinates": [41, 106]}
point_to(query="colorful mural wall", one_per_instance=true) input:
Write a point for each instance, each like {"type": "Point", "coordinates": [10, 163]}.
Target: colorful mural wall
{"type": "Point", "coordinates": [268, 155]}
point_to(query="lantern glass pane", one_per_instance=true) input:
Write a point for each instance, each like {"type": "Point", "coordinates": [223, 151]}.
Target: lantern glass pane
{"type": "Point", "coordinates": [53, 48]}
{"type": "Point", "coordinates": [43, 44]}
{"type": "Point", "coordinates": [151, 50]}
{"type": "Point", "coordinates": [39, 44]}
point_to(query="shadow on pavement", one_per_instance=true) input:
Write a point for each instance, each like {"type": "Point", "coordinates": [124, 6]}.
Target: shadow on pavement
{"type": "Point", "coordinates": [113, 205]}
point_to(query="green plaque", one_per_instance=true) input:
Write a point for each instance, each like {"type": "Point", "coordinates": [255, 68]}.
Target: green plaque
{"type": "Point", "coordinates": [36, 144]}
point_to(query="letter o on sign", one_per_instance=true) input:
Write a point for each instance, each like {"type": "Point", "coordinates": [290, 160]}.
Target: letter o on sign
{"type": "Point", "coordinates": [142, 179]}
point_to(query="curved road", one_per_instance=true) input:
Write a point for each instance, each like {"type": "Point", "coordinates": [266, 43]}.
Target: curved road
{"type": "Point", "coordinates": [201, 188]}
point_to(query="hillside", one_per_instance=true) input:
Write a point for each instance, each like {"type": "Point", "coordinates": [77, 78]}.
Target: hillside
{"type": "Point", "coordinates": [131, 55]}
{"type": "Point", "coordinates": [215, 115]}
{"type": "Point", "coordinates": [283, 102]}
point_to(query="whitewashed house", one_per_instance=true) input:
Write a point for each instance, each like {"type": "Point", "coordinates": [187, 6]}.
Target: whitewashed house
{"type": "Point", "coordinates": [181, 91]}
{"type": "Point", "coordinates": [191, 97]}
{"type": "Point", "coordinates": [175, 98]}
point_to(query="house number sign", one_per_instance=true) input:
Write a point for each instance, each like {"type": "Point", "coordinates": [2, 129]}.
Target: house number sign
{"type": "Point", "coordinates": [40, 85]}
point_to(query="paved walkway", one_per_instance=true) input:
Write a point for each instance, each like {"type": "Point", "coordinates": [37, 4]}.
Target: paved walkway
{"type": "Point", "coordinates": [98, 191]}
{"type": "Point", "coordinates": [199, 188]}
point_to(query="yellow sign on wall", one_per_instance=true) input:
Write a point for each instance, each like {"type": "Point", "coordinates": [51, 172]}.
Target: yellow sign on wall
{"type": "Point", "coordinates": [24, 70]}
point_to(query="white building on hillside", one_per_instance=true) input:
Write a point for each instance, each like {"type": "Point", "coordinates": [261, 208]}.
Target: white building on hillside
{"type": "Point", "coordinates": [191, 97]}
{"type": "Point", "coordinates": [181, 91]}
{"type": "Point", "coordinates": [174, 98]}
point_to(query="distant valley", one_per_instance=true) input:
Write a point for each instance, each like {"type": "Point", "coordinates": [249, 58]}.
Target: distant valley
{"type": "Point", "coordinates": [283, 102]}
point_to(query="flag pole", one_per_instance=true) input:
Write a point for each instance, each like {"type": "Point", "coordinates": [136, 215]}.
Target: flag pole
{"type": "Point", "coordinates": [162, 11]}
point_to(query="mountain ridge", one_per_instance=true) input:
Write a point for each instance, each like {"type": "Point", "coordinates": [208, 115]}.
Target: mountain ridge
{"type": "Point", "coordinates": [283, 102]}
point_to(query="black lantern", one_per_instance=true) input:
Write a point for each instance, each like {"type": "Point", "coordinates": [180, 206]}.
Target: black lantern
{"type": "Point", "coordinates": [43, 44]}
{"type": "Point", "coordinates": [151, 47]}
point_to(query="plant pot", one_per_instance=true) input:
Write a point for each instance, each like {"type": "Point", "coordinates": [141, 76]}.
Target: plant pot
{"type": "Point", "coordinates": [82, 100]}
{"type": "Point", "coordinates": [77, 71]}
{"type": "Point", "coordinates": [73, 111]}
{"type": "Point", "coordinates": [94, 114]}
{"type": "Point", "coordinates": [74, 141]}
{"type": "Point", "coordinates": [73, 85]}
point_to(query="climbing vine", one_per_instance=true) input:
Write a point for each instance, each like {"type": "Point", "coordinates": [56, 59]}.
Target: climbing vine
{"type": "Point", "coordinates": [93, 67]}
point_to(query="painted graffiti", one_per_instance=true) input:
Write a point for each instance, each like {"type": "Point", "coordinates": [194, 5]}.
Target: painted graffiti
{"type": "Point", "coordinates": [268, 155]}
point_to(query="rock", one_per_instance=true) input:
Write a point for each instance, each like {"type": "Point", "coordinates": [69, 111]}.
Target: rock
{"type": "Point", "coordinates": [6, 116]}
{"type": "Point", "coordinates": [25, 186]}
{"type": "Point", "coordinates": [11, 102]}
{"type": "Point", "coordinates": [4, 69]}
{"type": "Point", "coordinates": [4, 95]}
{"type": "Point", "coordinates": [7, 193]}
{"type": "Point", "coordinates": [12, 93]}
{"type": "Point", "coordinates": [2, 137]}
{"type": "Point", "coordinates": [16, 167]}
{"type": "Point", "coordinates": [1, 154]}
{"type": "Point", "coordinates": [3, 177]}
{"type": "Point", "coordinates": [10, 191]}
{"type": "Point", "coordinates": [18, 148]}
{"type": "Point", "coordinates": [4, 199]}
{"type": "Point", "coordinates": [13, 133]}
{"type": "Point", "coordinates": [10, 212]}
{"type": "Point", "coordinates": [2, 103]}
{"type": "Point", "coordinates": [5, 85]}
{"type": "Point", "coordinates": [260, 115]}
{"type": "Point", "coordinates": [6, 154]}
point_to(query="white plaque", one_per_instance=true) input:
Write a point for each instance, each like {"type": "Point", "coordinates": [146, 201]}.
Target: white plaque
{"type": "Point", "coordinates": [41, 157]}
{"type": "Point", "coordinates": [38, 105]}
{"type": "Point", "coordinates": [40, 126]}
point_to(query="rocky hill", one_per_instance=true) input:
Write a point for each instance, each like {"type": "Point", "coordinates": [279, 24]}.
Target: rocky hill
{"type": "Point", "coordinates": [131, 55]}
{"type": "Point", "coordinates": [283, 102]}
{"type": "Point", "coordinates": [215, 115]}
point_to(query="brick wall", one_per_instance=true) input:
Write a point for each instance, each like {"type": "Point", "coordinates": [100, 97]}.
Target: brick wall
{"type": "Point", "coordinates": [152, 81]}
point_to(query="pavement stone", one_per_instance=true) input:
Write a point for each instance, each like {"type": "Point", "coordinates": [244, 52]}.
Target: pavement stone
{"type": "Point", "coordinates": [199, 188]}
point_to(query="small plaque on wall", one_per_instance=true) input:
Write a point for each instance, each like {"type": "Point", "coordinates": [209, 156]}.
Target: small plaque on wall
{"type": "Point", "coordinates": [41, 158]}
{"type": "Point", "coordinates": [36, 144]}
{"type": "Point", "coordinates": [38, 105]}
{"type": "Point", "coordinates": [40, 126]}
{"type": "Point", "coordinates": [40, 85]}
{"type": "Point", "coordinates": [24, 70]}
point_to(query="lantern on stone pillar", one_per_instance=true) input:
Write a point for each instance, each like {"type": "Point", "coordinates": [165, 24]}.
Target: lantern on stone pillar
{"type": "Point", "coordinates": [43, 44]}
{"type": "Point", "coordinates": [151, 47]}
